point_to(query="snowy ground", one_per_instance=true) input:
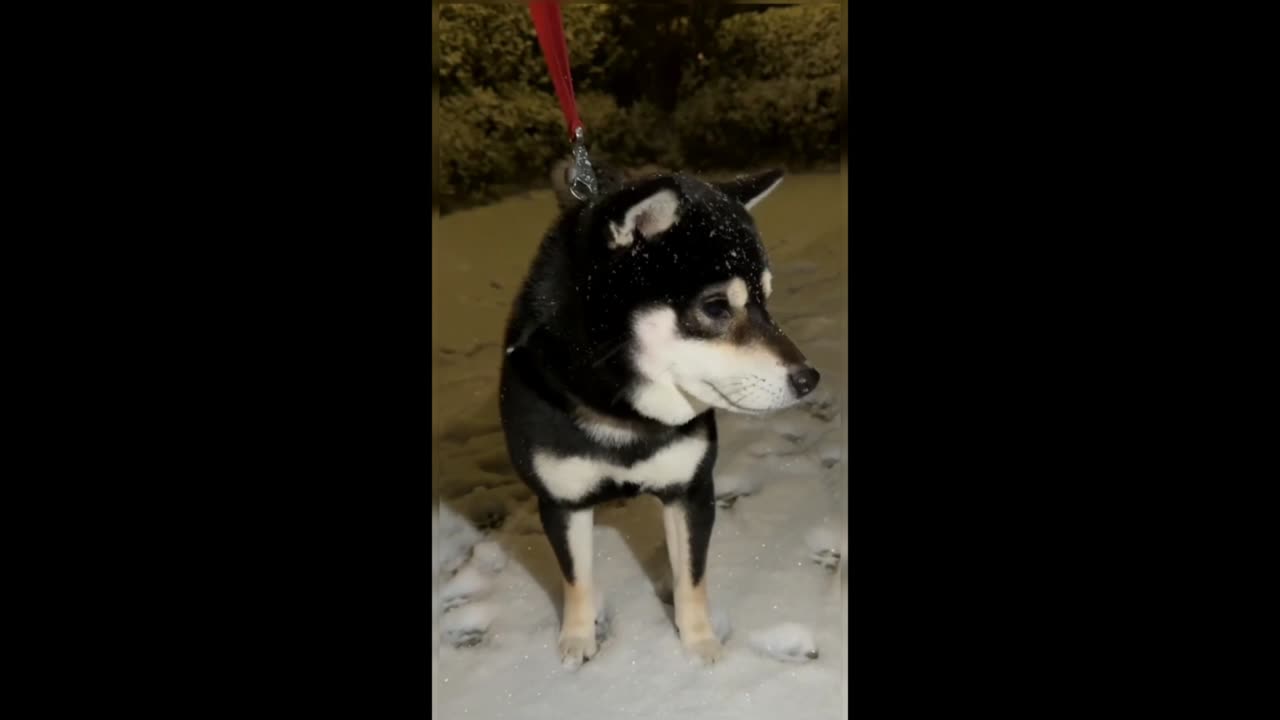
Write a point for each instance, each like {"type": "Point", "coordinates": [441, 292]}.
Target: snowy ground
{"type": "Point", "coordinates": [777, 578]}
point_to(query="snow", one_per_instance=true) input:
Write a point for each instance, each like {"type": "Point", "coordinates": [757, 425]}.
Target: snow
{"type": "Point", "coordinates": [788, 642]}
{"type": "Point", "coordinates": [777, 569]}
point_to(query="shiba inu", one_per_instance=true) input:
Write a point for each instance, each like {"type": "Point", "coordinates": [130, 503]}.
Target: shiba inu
{"type": "Point", "coordinates": [643, 313]}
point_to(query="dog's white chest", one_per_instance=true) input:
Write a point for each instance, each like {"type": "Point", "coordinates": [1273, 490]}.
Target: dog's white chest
{"type": "Point", "coordinates": [572, 478]}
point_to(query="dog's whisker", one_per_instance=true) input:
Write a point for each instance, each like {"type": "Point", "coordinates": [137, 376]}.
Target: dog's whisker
{"type": "Point", "coordinates": [612, 351]}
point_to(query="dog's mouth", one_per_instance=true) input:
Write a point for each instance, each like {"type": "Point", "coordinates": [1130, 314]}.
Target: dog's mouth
{"type": "Point", "coordinates": [740, 408]}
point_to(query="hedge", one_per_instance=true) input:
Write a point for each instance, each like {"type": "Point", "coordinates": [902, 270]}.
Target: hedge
{"type": "Point", "coordinates": [765, 90]}
{"type": "Point", "coordinates": [800, 42]}
{"type": "Point", "coordinates": [734, 123]}
{"type": "Point", "coordinates": [492, 140]}
{"type": "Point", "coordinates": [493, 45]}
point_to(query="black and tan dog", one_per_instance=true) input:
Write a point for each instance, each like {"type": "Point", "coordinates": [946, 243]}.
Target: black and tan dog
{"type": "Point", "coordinates": [644, 311]}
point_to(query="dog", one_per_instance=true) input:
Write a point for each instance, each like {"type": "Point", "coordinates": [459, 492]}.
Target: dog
{"type": "Point", "coordinates": [643, 312]}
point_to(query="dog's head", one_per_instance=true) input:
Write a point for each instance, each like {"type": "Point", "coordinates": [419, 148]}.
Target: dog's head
{"type": "Point", "coordinates": [680, 271]}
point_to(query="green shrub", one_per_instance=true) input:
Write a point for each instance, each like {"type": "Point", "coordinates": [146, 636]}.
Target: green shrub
{"type": "Point", "coordinates": [491, 139]}
{"type": "Point", "coordinates": [492, 45]}
{"type": "Point", "coordinates": [487, 139]}
{"type": "Point", "coordinates": [734, 123]}
{"type": "Point", "coordinates": [801, 41]}
{"type": "Point", "coordinates": [639, 135]}
{"type": "Point", "coordinates": [759, 87]}
{"type": "Point", "coordinates": [767, 92]}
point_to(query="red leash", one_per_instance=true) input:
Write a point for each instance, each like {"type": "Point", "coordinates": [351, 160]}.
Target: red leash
{"type": "Point", "coordinates": [550, 27]}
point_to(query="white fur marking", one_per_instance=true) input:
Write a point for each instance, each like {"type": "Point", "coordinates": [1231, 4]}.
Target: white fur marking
{"type": "Point", "coordinates": [572, 478]}
{"type": "Point", "coordinates": [577, 634]}
{"type": "Point", "coordinates": [604, 429]}
{"type": "Point", "coordinates": [659, 398]}
{"type": "Point", "coordinates": [737, 292]}
{"type": "Point", "coordinates": [650, 216]}
{"type": "Point", "coordinates": [766, 282]}
{"type": "Point", "coordinates": [763, 194]}
{"type": "Point", "coordinates": [663, 402]}
{"type": "Point", "coordinates": [679, 374]}
{"type": "Point", "coordinates": [581, 523]}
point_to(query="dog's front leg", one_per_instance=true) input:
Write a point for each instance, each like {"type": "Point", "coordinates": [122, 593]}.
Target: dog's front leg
{"type": "Point", "coordinates": [688, 521]}
{"type": "Point", "coordinates": [570, 534]}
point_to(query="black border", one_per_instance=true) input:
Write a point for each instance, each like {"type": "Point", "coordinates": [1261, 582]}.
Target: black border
{"type": "Point", "coordinates": [270, 183]}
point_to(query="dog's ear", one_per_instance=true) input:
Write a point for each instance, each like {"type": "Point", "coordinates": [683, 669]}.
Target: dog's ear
{"type": "Point", "coordinates": [750, 190]}
{"type": "Point", "coordinates": [560, 184]}
{"type": "Point", "coordinates": [643, 211]}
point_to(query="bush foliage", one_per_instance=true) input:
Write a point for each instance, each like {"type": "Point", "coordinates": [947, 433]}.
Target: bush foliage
{"type": "Point", "coordinates": [794, 121]}
{"type": "Point", "coordinates": [653, 87]}
{"type": "Point", "coordinates": [495, 45]}
{"type": "Point", "coordinates": [796, 42]}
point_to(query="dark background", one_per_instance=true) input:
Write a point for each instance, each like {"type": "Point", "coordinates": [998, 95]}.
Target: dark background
{"type": "Point", "coordinates": [237, 516]}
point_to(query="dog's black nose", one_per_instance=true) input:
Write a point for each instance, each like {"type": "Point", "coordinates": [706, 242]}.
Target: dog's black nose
{"type": "Point", "coordinates": [803, 381]}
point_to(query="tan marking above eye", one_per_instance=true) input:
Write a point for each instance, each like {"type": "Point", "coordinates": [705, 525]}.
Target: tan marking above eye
{"type": "Point", "coordinates": [736, 291]}
{"type": "Point", "coordinates": [766, 282]}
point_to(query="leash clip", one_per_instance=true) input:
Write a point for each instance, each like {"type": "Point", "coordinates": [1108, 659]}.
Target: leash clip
{"type": "Point", "coordinates": [582, 178]}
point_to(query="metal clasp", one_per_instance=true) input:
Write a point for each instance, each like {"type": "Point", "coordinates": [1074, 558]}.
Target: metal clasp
{"type": "Point", "coordinates": [582, 178]}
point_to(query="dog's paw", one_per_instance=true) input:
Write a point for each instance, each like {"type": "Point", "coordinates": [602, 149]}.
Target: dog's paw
{"type": "Point", "coordinates": [577, 649]}
{"type": "Point", "coordinates": [708, 650]}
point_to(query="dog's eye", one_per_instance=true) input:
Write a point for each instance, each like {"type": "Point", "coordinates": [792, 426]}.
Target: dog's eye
{"type": "Point", "coordinates": [717, 308]}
